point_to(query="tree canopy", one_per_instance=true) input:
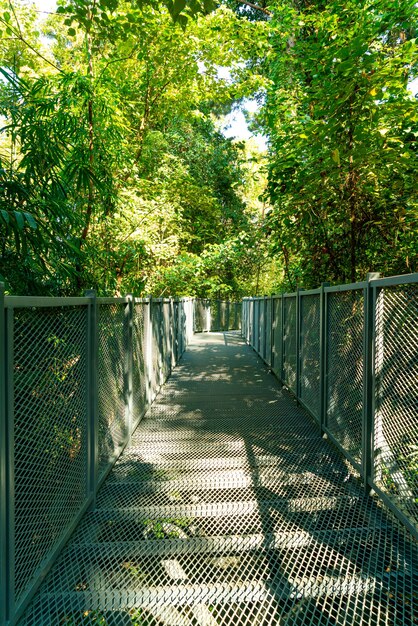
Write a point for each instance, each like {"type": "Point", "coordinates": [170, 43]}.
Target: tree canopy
{"type": "Point", "coordinates": [115, 175]}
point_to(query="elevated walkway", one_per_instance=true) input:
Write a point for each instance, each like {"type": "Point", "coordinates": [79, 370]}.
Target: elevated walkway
{"type": "Point", "coordinates": [228, 508]}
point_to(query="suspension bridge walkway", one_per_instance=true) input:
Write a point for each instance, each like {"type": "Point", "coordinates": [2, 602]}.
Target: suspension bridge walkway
{"type": "Point", "coordinates": [227, 507]}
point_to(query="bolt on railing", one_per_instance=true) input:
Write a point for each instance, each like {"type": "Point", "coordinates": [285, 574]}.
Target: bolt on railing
{"type": "Point", "coordinates": [76, 377]}
{"type": "Point", "coordinates": [349, 355]}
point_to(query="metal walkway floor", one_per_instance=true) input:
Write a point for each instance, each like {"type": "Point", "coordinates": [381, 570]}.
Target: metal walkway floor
{"type": "Point", "coordinates": [228, 508]}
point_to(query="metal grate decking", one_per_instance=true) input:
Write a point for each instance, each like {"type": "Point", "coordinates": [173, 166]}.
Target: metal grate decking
{"type": "Point", "coordinates": [228, 508]}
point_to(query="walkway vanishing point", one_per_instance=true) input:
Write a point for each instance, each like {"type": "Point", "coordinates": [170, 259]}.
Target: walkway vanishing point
{"type": "Point", "coordinates": [228, 508]}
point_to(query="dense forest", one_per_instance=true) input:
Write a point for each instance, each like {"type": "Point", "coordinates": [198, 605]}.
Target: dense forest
{"type": "Point", "coordinates": [115, 173]}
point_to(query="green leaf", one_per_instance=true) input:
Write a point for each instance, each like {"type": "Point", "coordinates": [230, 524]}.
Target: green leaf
{"type": "Point", "coordinates": [178, 7]}
{"type": "Point", "coordinates": [335, 154]}
{"type": "Point", "coordinates": [30, 220]}
{"type": "Point", "coordinates": [19, 220]}
{"type": "Point", "coordinates": [209, 6]}
{"type": "Point", "coordinates": [5, 216]}
{"type": "Point", "coordinates": [6, 16]}
{"type": "Point", "coordinates": [182, 20]}
{"type": "Point", "coordinates": [72, 32]}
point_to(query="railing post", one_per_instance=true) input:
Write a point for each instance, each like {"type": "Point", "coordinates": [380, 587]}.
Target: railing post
{"type": "Point", "coordinates": [368, 381]}
{"type": "Point", "coordinates": [298, 350]}
{"type": "Point", "coordinates": [208, 315]}
{"type": "Point", "coordinates": [282, 340]}
{"type": "Point", "coordinates": [176, 329]}
{"type": "Point", "coordinates": [179, 322]}
{"type": "Point", "coordinates": [264, 329]}
{"type": "Point", "coordinates": [218, 316]}
{"type": "Point", "coordinates": [7, 449]}
{"type": "Point", "coordinates": [128, 362]}
{"type": "Point", "coordinates": [271, 332]}
{"type": "Point", "coordinates": [4, 591]}
{"type": "Point", "coordinates": [244, 318]}
{"type": "Point", "coordinates": [161, 329]}
{"type": "Point", "coordinates": [171, 335]}
{"type": "Point", "coordinates": [92, 396]}
{"type": "Point", "coordinates": [323, 331]}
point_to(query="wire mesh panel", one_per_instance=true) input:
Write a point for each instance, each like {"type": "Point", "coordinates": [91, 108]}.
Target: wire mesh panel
{"type": "Point", "coordinates": [181, 327]}
{"type": "Point", "coordinates": [215, 315]}
{"type": "Point", "coordinates": [236, 320]}
{"type": "Point", "coordinates": [244, 321]}
{"type": "Point", "coordinates": [112, 424]}
{"type": "Point", "coordinates": [289, 342]}
{"type": "Point", "coordinates": [185, 328]}
{"type": "Point", "coordinates": [223, 316]}
{"type": "Point", "coordinates": [167, 338]}
{"type": "Point", "coordinates": [251, 320]}
{"type": "Point", "coordinates": [234, 309]}
{"type": "Point", "coordinates": [50, 431]}
{"type": "Point", "coordinates": [173, 327]}
{"type": "Point", "coordinates": [163, 342]}
{"type": "Point", "coordinates": [188, 307]}
{"type": "Point", "coordinates": [156, 346]}
{"type": "Point", "coordinates": [202, 315]}
{"type": "Point", "coordinates": [267, 350]}
{"type": "Point", "coordinates": [277, 337]}
{"type": "Point", "coordinates": [257, 326]}
{"type": "Point", "coordinates": [139, 377]}
{"type": "Point", "coordinates": [262, 345]}
{"type": "Point", "coordinates": [345, 369]}
{"type": "Point", "coordinates": [310, 352]}
{"type": "Point", "coordinates": [199, 317]}
{"type": "Point", "coordinates": [396, 408]}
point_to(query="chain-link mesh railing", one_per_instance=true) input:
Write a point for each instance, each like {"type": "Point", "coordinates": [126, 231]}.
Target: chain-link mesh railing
{"type": "Point", "coordinates": [396, 386]}
{"type": "Point", "coordinates": [79, 374]}
{"type": "Point", "coordinates": [216, 315]}
{"type": "Point", "coordinates": [201, 316]}
{"type": "Point", "coordinates": [310, 352]}
{"type": "Point", "coordinates": [262, 328]}
{"type": "Point", "coordinates": [289, 342]}
{"type": "Point", "coordinates": [350, 355]}
{"type": "Point", "coordinates": [268, 332]}
{"type": "Point", "coordinates": [276, 336]}
{"type": "Point", "coordinates": [345, 369]}
{"type": "Point", "coordinates": [139, 361]}
{"type": "Point", "coordinates": [111, 382]}
{"type": "Point", "coordinates": [256, 325]}
{"type": "Point", "coordinates": [47, 391]}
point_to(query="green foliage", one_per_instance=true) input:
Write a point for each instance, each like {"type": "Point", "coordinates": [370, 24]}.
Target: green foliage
{"type": "Point", "coordinates": [113, 171]}
{"type": "Point", "coordinates": [343, 130]}
{"type": "Point", "coordinates": [113, 174]}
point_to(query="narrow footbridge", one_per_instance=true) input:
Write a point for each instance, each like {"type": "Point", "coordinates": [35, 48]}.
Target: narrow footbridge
{"type": "Point", "coordinates": [228, 506]}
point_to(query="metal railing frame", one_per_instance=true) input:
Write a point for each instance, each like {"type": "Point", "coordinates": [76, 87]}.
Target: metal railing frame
{"type": "Point", "coordinates": [180, 312]}
{"type": "Point", "coordinates": [370, 289]}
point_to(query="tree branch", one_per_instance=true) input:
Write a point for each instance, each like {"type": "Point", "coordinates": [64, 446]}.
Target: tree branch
{"type": "Point", "coordinates": [256, 7]}
{"type": "Point", "coordinates": [19, 36]}
{"type": "Point", "coordinates": [126, 58]}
